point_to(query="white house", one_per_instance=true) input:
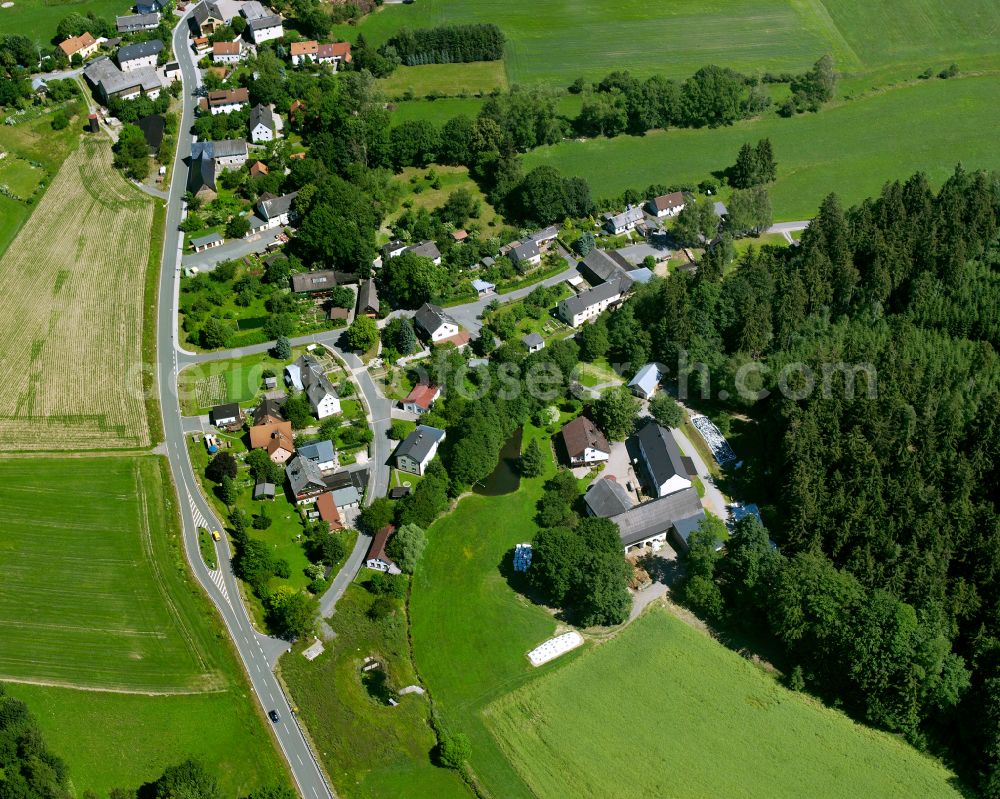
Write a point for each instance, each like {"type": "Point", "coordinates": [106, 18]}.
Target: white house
{"type": "Point", "coordinates": [227, 52]}
{"type": "Point", "coordinates": [136, 56]}
{"type": "Point", "coordinates": [644, 384]}
{"type": "Point", "coordinates": [584, 443]}
{"type": "Point", "coordinates": [307, 375]}
{"type": "Point", "coordinates": [662, 458]}
{"type": "Point", "coordinates": [420, 399]}
{"type": "Point", "coordinates": [322, 453]}
{"type": "Point", "coordinates": [426, 249]}
{"type": "Point", "coordinates": [376, 558]}
{"type": "Point", "coordinates": [436, 323]}
{"type": "Point", "coordinates": [625, 221]}
{"type": "Point", "coordinates": [272, 212]}
{"type": "Point", "coordinates": [525, 254]}
{"type": "Point", "coordinates": [336, 53]}
{"type": "Point", "coordinates": [588, 305]}
{"type": "Point", "coordinates": [262, 127]}
{"type": "Point", "coordinates": [666, 205]}
{"type": "Point", "coordinates": [533, 341]}
{"type": "Point", "coordinates": [264, 29]}
{"type": "Point", "coordinates": [132, 23]}
{"type": "Point", "coordinates": [304, 52]}
{"type": "Point", "coordinates": [418, 449]}
{"type": "Point", "coordinates": [225, 101]}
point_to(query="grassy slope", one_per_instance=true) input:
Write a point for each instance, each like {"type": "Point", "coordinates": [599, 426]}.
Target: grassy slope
{"type": "Point", "coordinates": [470, 630]}
{"type": "Point", "coordinates": [710, 723]}
{"type": "Point", "coordinates": [448, 79]}
{"type": "Point", "coordinates": [39, 18]}
{"type": "Point", "coordinates": [48, 561]}
{"type": "Point", "coordinates": [436, 111]}
{"type": "Point", "coordinates": [851, 149]}
{"type": "Point", "coordinates": [370, 749]}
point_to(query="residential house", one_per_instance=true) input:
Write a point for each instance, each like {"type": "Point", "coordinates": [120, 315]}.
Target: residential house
{"type": "Point", "coordinates": [172, 71]}
{"type": "Point", "coordinates": [590, 304]}
{"type": "Point", "coordinates": [227, 52]}
{"type": "Point", "coordinates": [258, 169]}
{"type": "Point", "coordinates": [606, 498]}
{"type": "Point", "coordinates": [418, 449]}
{"type": "Point", "coordinates": [307, 375]}
{"type": "Point", "coordinates": [271, 211]}
{"type": "Point", "coordinates": [544, 237]}
{"type": "Point", "coordinates": [225, 101]}
{"type": "Point", "coordinates": [584, 443]}
{"type": "Point", "coordinates": [667, 205]}
{"type": "Point", "coordinates": [533, 341]}
{"type": "Point", "coordinates": [228, 415]}
{"type": "Point", "coordinates": [328, 512]}
{"type": "Point", "coordinates": [436, 324]}
{"type": "Point", "coordinates": [368, 303]}
{"type": "Point", "coordinates": [150, 6]}
{"type": "Point", "coordinates": [153, 127]}
{"type": "Point", "coordinates": [132, 23]}
{"type": "Point", "coordinates": [394, 248]}
{"type": "Point", "coordinates": [600, 266]}
{"type": "Point", "coordinates": [209, 159]}
{"type": "Point", "coordinates": [483, 287]}
{"type": "Point", "coordinates": [111, 82]}
{"type": "Point", "coordinates": [525, 255]}
{"type": "Point", "coordinates": [421, 398]}
{"type": "Point", "coordinates": [321, 280]}
{"type": "Point", "coordinates": [661, 457]}
{"type": "Point", "coordinates": [305, 479]}
{"type": "Point", "coordinates": [645, 382]}
{"type": "Point", "coordinates": [337, 53]}
{"type": "Point", "coordinates": [268, 412]}
{"type": "Point", "coordinates": [426, 249]}
{"type": "Point", "coordinates": [377, 559]}
{"type": "Point", "coordinates": [339, 315]}
{"type": "Point", "coordinates": [84, 45]}
{"type": "Point", "coordinates": [304, 52]}
{"type": "Point", "coordinates": [347, 496]}
{"type": "Point", "coordinates": [262, 126]}
{"type": "Point", "coordinates": [208, 242]}
{"type": "Point", "coordinates": [322, 453]}
{"type": "Point", "coordinates": [264, 29]}
{"type": "Point", "coordinates": [208, 16]}
{"type": "Point", "coordinates": [625, 221]}
{"type": "Point", "coordinates": [276, 438]}
{"type": "Point", "coordinates": [138, 56]}
{"type": "Point", "coordinates": [649, 523]}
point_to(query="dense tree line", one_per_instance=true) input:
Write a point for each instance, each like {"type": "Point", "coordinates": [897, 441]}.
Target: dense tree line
{"type": "Point", "coordinates": [446, 44]}
{"type": "Point", "coordinates": [28, 768]}
{"type": "Point", "coordinates": [884, 502]}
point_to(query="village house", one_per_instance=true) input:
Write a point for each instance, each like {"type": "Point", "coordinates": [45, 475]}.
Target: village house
{"type": "Point", "coordinates": [226, 416]}
{"type": "Point", "coordinates": [268, 411]}
{"type": "Point", "coordinates": [328, 512]}
{"type": "Point", "coordinates": [606, 497]}
{"type": "Point", "coordinates": [110, 82]}
{"type": "Point", "coordinates": [337, 53]}
{"type": "Point", "coordinates": [276, 438]}
{"type": "Point", "coordinates": [137, 56]}
{"type": "Point", "coordinates": [304, 52]}
{"type": "Point", "coordinates": [322, 453]}
{"type": "Point", "coordinates": [368, 303]}
{"type": "Point", "coordinates": [623, 222]}
{"type": "Point", "coordinates": [421, 398]}
{"type": "Point", "coordinates": [271, 212]}
{"type": "Point", "coordinates": [305, 479]}
{"type": "Point", "coordinates": [650, 523]}
{"type": "Point", "coordinates": [84, 45]}
{"type": "Point", "coordinates": [262, 125]}
{"type": "Point", "coordinates": [209, 159]}
{"type": "Point", "coordinates": [645, 382]}
{"type": "Point", "coordinates": [544, 237]}
{"type": "Point", "coordinates": [426, 249]}
{"type": "Point", "coordinates": [525, 255]}
{"type": "Point", "coordinates": [588, 305]}
{"type": "Point", "coordinates": [307, 282]}
{"type": "Point", "coordinates": [265, 29]}
{"type": "Point", "coordinates": [208, 16]}
{"type": "Point", "coordinates": [225, 101]}
{"type": "Point", "coordinates": [418, 449]}
{"type": "Point", "coordinates": [584, 443]}
{"type": "Point", "coordinates": [307, 375]}
{"type": "Point", "coordinates": [151, 6]}
{"type": "Point", "coordinates": [666, 205]}
{"type": "Point", "coordinates": [227, 52]}
{"type": "Point", "coordinates": [435, 323]}
{"type": "Point", "coordinates": [132, 23]}
{"type": "Point", "coordinates": [600, 266]}
{"type": "Point", "coordinates": [662, 459]}
{"type": "Point", "coordinates": [393, 248]}
{"type": "Point", "coordinates": [376, 559]}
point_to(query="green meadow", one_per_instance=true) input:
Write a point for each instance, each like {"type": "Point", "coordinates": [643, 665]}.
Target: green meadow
{"type": "Point", "coordinates": [39, 18]}
{"type": "Point", "coordinates": [664, 710]}
{"type": "Point", "coordinates": [851, 149]}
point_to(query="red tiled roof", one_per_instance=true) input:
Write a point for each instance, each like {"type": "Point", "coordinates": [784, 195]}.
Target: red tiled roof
{"type": "Point", "coordinates": [459, 340]}
{"type": "Point", "coordinates": [377, 549]}
{"type": "Point", "coordinates": [328, 511]}
{"type": "Point", "coordinates": [304, 48]}
{"type": "Point", "coordinates": [226, 48]}
{"type": "Point", "coordinates": [423, 395]}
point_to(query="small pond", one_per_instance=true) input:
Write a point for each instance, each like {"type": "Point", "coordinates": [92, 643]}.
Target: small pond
{"type": "Point", "coordinates": [506, 477]}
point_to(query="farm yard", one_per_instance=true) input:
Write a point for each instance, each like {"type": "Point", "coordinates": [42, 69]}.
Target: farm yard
{"type": "Point", "coordinates": [667, 711]}
{"type": "Point", "coordinates": [73, 354]}
{"type": "Point", "coordinates": [927, 126]}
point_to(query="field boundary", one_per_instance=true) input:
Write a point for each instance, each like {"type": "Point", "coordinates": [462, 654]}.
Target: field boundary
{"type": "Point", "coordinates": [97, 689]}
{"type": "Point", "coordinates": [151, 296]}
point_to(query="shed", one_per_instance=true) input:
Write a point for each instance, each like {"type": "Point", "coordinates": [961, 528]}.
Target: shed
{"type": "Point", "coordinates": [264, 490]}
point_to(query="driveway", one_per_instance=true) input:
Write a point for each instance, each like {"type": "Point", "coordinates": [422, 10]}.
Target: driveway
{"type": "Point", "coordinates": [232, 249]}
{"type": "Point", "coordinates": [714, 500]}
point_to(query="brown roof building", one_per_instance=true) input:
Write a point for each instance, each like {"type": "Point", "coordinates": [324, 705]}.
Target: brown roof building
{"type": "Point", "coordinates": [84, 44]}
{"type": "Point", "coordinates": [377, 559]}
{"type": "Point", "coordinates": [585, 444]}
{"type": "Point", "coordinates": [276, 438]}
{"type": "Point", "coordinates": [258, 168]}
{"type": "Point", "coordinates": [328, 511]}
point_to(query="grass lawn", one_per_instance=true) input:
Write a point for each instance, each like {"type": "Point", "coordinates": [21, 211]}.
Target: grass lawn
{"type": "Point", "coordinates": [597, 373]}
{"type": "Point", "coordinates": [767, 239]}
{"type": "Point", "coordinates": [851, 149]}
{"type": "Point", "coordinates": [20, 176]}
{"type": "Point", "coordinates": [419, 192]}
{"type": "Point", "coordinates": [470, 630]}
{"type": "Point", "coordinates": [13, 215]}
{"type": "Point", "coordinates": [113, 740]}
{"type": "Point", "coordinates": [437, 111]}
{"type": "Point", "coordinates": [370, 749]}
{"type": "Point", "coordinates": [710, 723]}
{"type": "Point", "coordinates": [478, 77]}
{"type": "Point", "coordinates": [38, 19]}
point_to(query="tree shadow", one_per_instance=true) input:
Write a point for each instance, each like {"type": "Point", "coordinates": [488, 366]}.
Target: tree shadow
{"type": "Point", "coordinates": [668, 571]}
{"type": "Point", "coordinates": [519, 584]}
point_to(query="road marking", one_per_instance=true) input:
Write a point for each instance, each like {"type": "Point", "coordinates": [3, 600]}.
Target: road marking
{"type": "Point", "coordinates": [220, 582]}
{"type": "Point", "coordinates": [299, 758]}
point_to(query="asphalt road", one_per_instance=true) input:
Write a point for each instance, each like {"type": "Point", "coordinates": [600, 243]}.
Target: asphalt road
{"type": "Point", "coordinates": [256, 651]}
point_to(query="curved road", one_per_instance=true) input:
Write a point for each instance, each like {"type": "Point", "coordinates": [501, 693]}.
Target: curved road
{"type": "Point", "coordinates": [258, 652]}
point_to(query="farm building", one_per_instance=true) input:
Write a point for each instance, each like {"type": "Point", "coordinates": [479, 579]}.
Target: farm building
{"type": "Point", "coordinates": [651, 522]}
{"type": "Point", "coordinates": [264, 29]}
{"type": "Point", "coordinates": [138, 56]}
{"type": "Point", "coordinates": [110, 82]}
{"type": "Point", "coordinates": [661, 457]}
{"type": "Point", "coordinates": [544, 237]}
{"type": "Point", "coordinates": [606, 497]}
{"type": "Point", "coordinates": [418, 449]}
{"type": "Point", "coordinates": [584, 443]}
{"type": "Point", "coordinates": [377, 559]}
{"type": "Point", "coordinates": [600, 266]}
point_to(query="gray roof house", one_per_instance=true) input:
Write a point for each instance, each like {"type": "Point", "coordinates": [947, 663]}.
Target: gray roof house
{"type": "Point", "coordinates": [646, 380]}
{"type": "Point", "coordinates": [264, 490]}
{"type": "Point", "coordinates": [588, 305]}
{"type": "Point", "coordinates": [261, 123]}
{"type": "Point", "coordinates": [650, 522]}
{"type": "Point", "coordinates": [368, 303]}
{"type": "Point", "coordinates": [418, 449]}
{"type": "Point", "coordinates": [601, 265]}
{"type": "Point", "coordinates": [426, 249]}
{"type": "Point", "coordinates": [525, 253]}
{"type": "Point", "coordinates": [435, 322]}
{"type": "Point", "coordinates": [137, 22]}
{"type": "Point", "coordinates": [533, 342]}
{"type": "Point", "coordinates": [607, 497]}
{"type": "Point", "coordinates": [626, 220]}
{"type": "Point", "coordinates": [346, 497]}
{"type": "Point", "coordinates": [137, 52]}
{"type": "Point", "coordinates": [305, 478]}
{"type": "Point", "coordinates": [662, 459]}
{"type": "Point", "coordinates": [321, 453]}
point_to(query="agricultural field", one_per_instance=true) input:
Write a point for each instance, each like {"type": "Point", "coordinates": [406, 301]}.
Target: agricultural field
{"type": "Point", "coordinates": [38, 18]}
{"type": "Point", "coordinates": [551, 44]}
{"type": "Point", "coordinates": [132, 624]}
{"type": "Point", "coordinates": [851, 149]}
{"type": "Point", "coordinates": [710, 724]}
{"type": "Point", "coordinates": [470, 629]}
{"type": "Point", "coordinates": [437, 111]}
{"type": "Point", "coordinates": [370, 749]}
{"type": "Point", "coordinates": [449, 80]}
{"type": "Point", "coordinates": [73, 354]}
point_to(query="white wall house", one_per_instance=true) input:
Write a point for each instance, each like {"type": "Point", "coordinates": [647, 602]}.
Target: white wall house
{"type": "Point", "coordinates": [436, 323]}
{"type": "Point", "coordinates": [662, 458]}
{"type": "Point", "coordinates": [136, 56]}
{"type": "Point", "coordinates": [265, 29]}
{"type": "Point", "coordinates": [588, 305]}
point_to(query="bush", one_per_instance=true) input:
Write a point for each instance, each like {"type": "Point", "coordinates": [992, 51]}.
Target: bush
{"type": "Point", "coordinates": [262, 521]}
{"type": "Point", "coordinates": [383, 584]}
{"type": "Point", "coordinates": [59, 120]}
{"type": "Point", "coordinates": [381, 608]}
{"type": "Point", "coordinates": [455, 750]}
{"type": "Point", "coordinates": [282, 569]}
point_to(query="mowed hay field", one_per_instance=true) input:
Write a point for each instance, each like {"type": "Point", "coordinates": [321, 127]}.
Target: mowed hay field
{"type": "Point", "coordinates": [94, 594]}
{"type": "Point", "coordinates": [663, 710]}
{"type": "Point", "coordinates": [71, 288]}
{"type": "Point", "coordinates": [38, 19]}
{"type": "Point", "coordinates": [851, 149]}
